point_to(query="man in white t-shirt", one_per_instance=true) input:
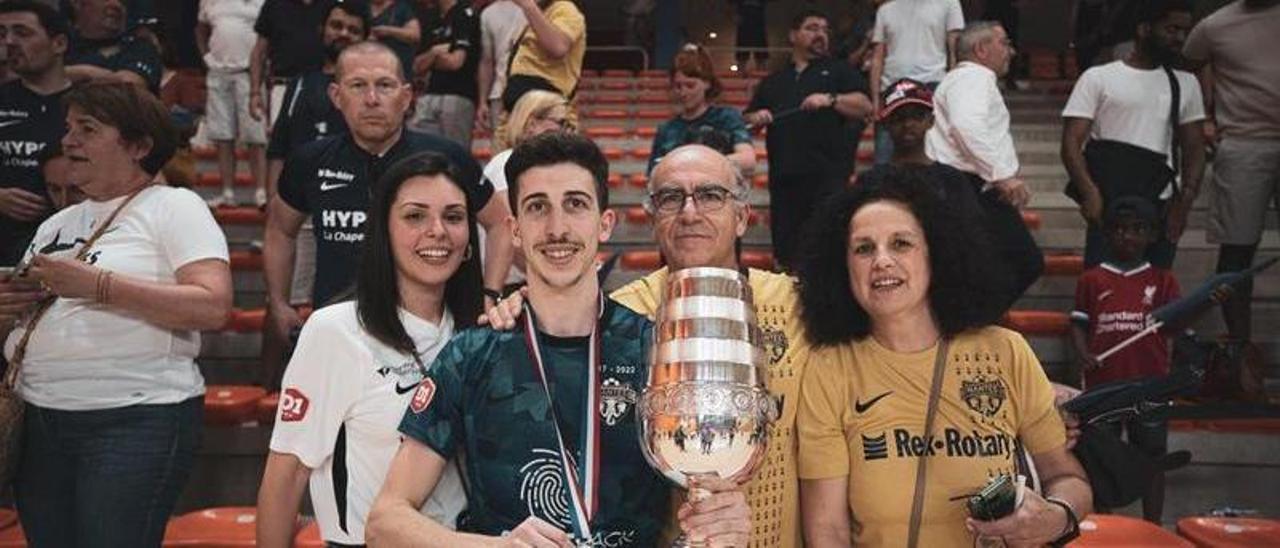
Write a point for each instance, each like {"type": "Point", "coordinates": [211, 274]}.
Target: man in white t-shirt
{"type": "Point", "coordinates": [1122, 109]}
{"type": "Point", "coordinates": [500, 26]}
{"type": "Point", "coordinates": [225, 36]}
{"type": "Point", "coordinates": [1236, 48]}
{"type": "Point", "coordinates": [913, 39]}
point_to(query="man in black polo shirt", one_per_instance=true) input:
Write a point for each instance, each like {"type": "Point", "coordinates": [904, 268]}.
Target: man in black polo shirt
{"type": "Point", "coordinates": [101, 49]}
{"type": "Point", "coordinates": [330, 181]}
{"type": "Point", "coordinates": [287, 38]}
{"type": "Point", "coordinates": [307, 114]}
{"type": "Point", "coordinates": [806, 106]}
{"type": "Point", "coordinates": [31, 117]}
{"type": "Point", "coordinates": [450, 57]}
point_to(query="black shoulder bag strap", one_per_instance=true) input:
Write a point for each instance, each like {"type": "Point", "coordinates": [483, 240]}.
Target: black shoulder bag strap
{"type": "Point", "coordinates": [917, 502]}
{"type": "Point", "coordinates": [1175, 110]}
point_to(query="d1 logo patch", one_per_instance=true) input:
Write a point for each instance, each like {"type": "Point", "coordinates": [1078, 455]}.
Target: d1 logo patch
{"type": "Point", "coordinates": [422, 396]}
{"type": "Point", "coordinates": [293, 405]}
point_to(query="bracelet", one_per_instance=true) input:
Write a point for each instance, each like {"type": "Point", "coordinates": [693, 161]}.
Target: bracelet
{"type": "Point", "coordinates": [493, 294]}
{"type": "Point", "coordinates": [103, 286]}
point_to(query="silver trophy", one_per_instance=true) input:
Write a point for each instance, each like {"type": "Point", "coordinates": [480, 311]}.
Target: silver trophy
{"type": "Point", "coordinates": [705, 410]}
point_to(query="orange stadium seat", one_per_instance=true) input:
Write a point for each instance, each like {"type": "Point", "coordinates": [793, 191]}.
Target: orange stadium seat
{"type": "Point", "coordinates": [211, 178]}
{"type": "Point", "coordinates": [252, 320]}
{"type": "Point", "coordinates": [614, 85]}
{"type": "Point", "coordinates": [1111, 531]}
{"type": "Point", "coordinates": [266, 408]}
{"type": "Point", "coordinates": [638, 180]}
{"type": "Point", "coordinates": [239, 216]}
{"type": "Point", "coordinates": [211, 153]}
{"type": "Point", "coordinates": [641, 153]}
{"type": "Point", "coordinates": [654, 113]}
{"type": "Point", "coordinates": [614, 153]}
{"type": "Point", "coordinates": [1031, 219]}
{"type": "Point", "coordinates": [636, 215]}
{"type": "Point", "coordinates": [644, 261]}
{"type": "Point", "coordinates": [735, 84]}
{"type": "Point", "coordinates": [762, 260]}
{"type": "Point", "coordinates": [655, 84]}
{"type": "Point", "coordinates": [246, 259]}
{"type": "Point", "coordinates": [608, 114]}
{"type": "Point", "coordinates": [590, 73]}
{"type": "Point", "coordinates": [482, 154]}
{"type": "Point", "coordinates": [605, 132]}
{"type": "Point", "coordinates": [1063, 265]}
{"type": "Point", "coordinates": [615, 180]}
{"type": "Point", "coordinates": [229, 405]}
{"type": "Point", "coordinates": [760, 181]}
{"type": "Point", "coordinates": [737, 99]}
{"type": "Point", "coordinates": [1031, 323]}
{"type": "Point", "coordinates": [613, 99]}
{"type": "Point", "coordinates": [654, 73]}
{"type": "Point", "coordinates": [1211, 532]}
{"type": "Point", "coordinates": [757, 73]}
{"type": "Point", "coordinates": [659, 97]}
{"type": "Point", "coordinates": [309, 537]}
{"type": "Point", "coordinates": [617, 73]}
{"type": "Point", "coordinates": [646, 132]}
{"type": "Point", "coordinates": [225, 527]}
{"type": "Point", "coordinates": [11, 536]}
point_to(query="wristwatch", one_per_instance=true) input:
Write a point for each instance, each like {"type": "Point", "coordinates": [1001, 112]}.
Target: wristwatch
{"type": "Point", "coordinates": [1072, 531]}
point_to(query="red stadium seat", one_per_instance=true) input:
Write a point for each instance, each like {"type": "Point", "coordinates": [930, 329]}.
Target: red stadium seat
{"type": "Point", "coordinates": [225, 527]}
{"type": "Point", "coordinates": [590, 73]}
{"type": "Point", "coordinates": [266, 408]}
{"type": "Point", "coordinates": [762, 260]}
{"type": "Point", "coordinates": [615, 180]}
{"type": "Point", "coordinates": [762, 154]}
{"type": "Point", "coordinates": [614, 153]}
{"type": "Point", "coordinates": [212, 179]}
{"type": "Point", "coordinates": [757, 74]}
{"type": "Point", "coordinates": [607, 114]}
{"type": "Point", "coordinates": [735, 84]}
{"type": "Point", "coordinates": [246, 259]}
{"type": "Point", "coordinates": [638, 180]}
{"type": "Point", "coordinates": [658, 97]}
{"type": "Point", "coordinates": [229, 405]}
{"type": "Point", "coordinates": [309, 537]}
{"type": "Point", "coordinates": [617, 73]}
{"type": "Point", "coordinates": [655, 83]}
{"type": "Point", "coordinates": [239, 216]}
{"type": "Point", "coordinates": [646, 132]}
{"type": "Point", "coordinates": [1031, 219]}
{"type": "Point", "coordinates": [1211, 532]}
{"type": "Point", "coordinates": [211, 153]}
{"type": "Point", "coordinates": [611, 99]}
{"type": "Point", "coordinates": [1045, 323]}
{"type": "Point", "coordinates": [252, 320]}
{"type": "Point", "coordinates": [482, 154]}
{"type": "Point", "coordinates": [760, 181]}
{"type": "Point", "coordinates": [737, 99]}
{"type": "Point", "coordinates": [654, 73]}
{"type": "Point", "coordinates": [754, 218]}
{"type": "Point", "coordinates": [1063, 265]}
{"type": "Point", "coordinates": [644, 261]}
{"type": "Point", "coordinates": [865, 155]}
{"type": "Point", "coordinates": [654, 113]}
{"type": "Point", "coordinates": [641, 153]}
{"type": "Point", "coordinates": [603, 132]}
{"type": "Point", "coordinates": [8, 517]}
{"type": "Point", "coordinates": [1112, 531]}
{"type": "Point", "coordinates": [11, 536]}
{"type": "Point", "coordinates": [636, 215]}
{"type": "Point", "coordinates": [614, 85]}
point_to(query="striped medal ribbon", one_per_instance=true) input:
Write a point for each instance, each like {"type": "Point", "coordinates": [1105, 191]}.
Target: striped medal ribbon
{"type": "Point", "coordinates": [583, 480]}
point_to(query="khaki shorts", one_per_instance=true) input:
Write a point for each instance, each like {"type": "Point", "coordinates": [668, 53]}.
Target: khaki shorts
{"type": "Point", "coordinates": [227, 109]}
{"type": "Point", "coordinates": [1245, 183]}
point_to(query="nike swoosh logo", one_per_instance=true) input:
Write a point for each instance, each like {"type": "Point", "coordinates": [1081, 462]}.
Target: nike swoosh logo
{"type": "Point", "coordinates": [11, 122]}
{"type": "Point", "coordinates": [861, 408]}
{"type": "Point", "coordinates": [405, 389]}
{"type": "Point", "coordinates": [327, 186]}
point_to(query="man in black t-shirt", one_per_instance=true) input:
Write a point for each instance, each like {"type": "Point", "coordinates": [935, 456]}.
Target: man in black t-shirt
{"type": "Point", "coordinates": [450, 57]}
{"type": "Point", "coordinates": [288, 42]}
{"type": "Point", "coordinates": [330, 181]}
{"type": "Point", "coordinates": [31, 118]}
{"type": "Point", "coordinates": [102, 49]}
{"type": "Point", "coordinates": [806, 106]}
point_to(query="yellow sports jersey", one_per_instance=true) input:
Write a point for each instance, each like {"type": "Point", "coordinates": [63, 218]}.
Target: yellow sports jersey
{"type": "Point", "coordinates": [862, 413]}
{"type": "Point", "coordinates": [773, 492]}
{"type": "Point", "coordinates": [562, 73]}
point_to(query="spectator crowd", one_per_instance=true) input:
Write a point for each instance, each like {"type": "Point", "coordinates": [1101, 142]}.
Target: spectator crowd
{"type": "Point", "coordinates": [460, 323]}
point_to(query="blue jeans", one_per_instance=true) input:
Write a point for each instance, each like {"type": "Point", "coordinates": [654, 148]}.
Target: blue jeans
{"type": "Point", "coordinates": [104, 478]}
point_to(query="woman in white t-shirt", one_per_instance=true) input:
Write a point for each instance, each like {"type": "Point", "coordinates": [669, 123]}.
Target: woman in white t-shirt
{"type": "Point", "coordinates": [108, 320]}
{"type": "Point", "coordinates": [358, 363]}
{"type": "Point", "coordinates": [536, 112]}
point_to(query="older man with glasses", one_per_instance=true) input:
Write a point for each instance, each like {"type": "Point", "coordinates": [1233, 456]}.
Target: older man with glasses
{"type": "Point", "coordinates": [699, 203]}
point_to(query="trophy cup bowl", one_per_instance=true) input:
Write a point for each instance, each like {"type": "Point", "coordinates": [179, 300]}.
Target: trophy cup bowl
{"type": "Point", "coordinates": [705, 410]}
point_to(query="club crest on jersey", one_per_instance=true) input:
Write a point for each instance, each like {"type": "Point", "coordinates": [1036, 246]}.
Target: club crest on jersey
{"type": "Point", "coordinates": [422, 396]}
{"type": "Point", "coordinates": [293, 405]}
{"type": "Point", "coordinates": [615, 399]}
{"type": "Point", "coordinates": [983, 394]}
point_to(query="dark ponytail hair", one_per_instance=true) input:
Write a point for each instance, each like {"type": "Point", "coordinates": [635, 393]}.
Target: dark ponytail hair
{"type": "Point", "coordinates": [377, 291]}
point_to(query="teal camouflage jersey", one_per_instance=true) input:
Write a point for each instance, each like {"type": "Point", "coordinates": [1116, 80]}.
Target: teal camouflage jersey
{"type": "Point", "coordinates": [486, 403]}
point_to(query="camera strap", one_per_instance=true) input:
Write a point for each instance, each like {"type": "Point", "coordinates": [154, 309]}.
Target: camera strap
{"type": "Point", "coordinates": [581, 475]}
{"type": "Point", "coordinates": [917, 502]}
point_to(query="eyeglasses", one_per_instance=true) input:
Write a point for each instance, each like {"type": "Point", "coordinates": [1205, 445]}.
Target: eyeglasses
{"type": "Point", "coordinates": [707, 199]}
{"type": "Point", "coordinates": [383, 88]}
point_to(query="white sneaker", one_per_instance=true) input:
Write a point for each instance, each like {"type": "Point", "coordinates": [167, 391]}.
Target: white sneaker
{"type": "Point", "coordinates": [227, 199]}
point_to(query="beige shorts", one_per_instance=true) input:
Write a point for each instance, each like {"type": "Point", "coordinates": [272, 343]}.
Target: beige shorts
{"type": "Point", "coordinates": [1245, 183]}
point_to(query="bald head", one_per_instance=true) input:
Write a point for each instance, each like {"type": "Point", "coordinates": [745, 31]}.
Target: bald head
{"type": "Point", "coordinates": [702, 158]}
{"type": "Point", "coordinates": [360, 53]}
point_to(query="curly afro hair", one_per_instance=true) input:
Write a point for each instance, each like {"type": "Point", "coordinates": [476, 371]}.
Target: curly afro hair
{"type": "Point", "coordinates": [966, 272]}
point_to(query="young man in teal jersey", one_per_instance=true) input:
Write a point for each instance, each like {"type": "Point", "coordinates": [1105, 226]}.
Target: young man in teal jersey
{"type": "Point", "coordinates": [545, 465]}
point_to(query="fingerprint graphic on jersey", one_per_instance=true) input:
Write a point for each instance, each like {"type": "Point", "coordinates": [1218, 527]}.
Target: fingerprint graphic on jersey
{"type": "Point", "coordinates": [542, 488]}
